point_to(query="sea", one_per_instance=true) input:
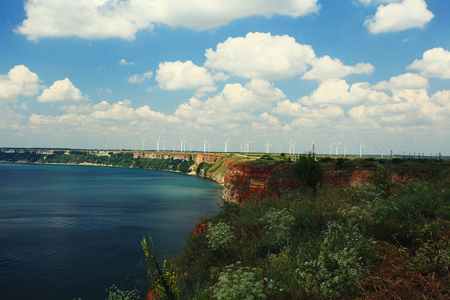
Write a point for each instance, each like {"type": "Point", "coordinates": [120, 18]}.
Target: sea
{"type": "Point", "coordinates": [69, 231]}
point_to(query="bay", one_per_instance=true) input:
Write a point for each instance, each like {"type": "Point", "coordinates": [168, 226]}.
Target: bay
{"type": "Point", "coordinates": [73, 231]}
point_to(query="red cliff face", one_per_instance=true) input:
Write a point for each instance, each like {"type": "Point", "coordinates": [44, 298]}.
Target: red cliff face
{"type": "Point", "coordinates": [198, 157]}
{"type": "Point", "coordinates": [247, 181]}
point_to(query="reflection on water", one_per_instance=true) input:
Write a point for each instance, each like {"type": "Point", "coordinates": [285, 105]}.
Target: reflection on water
{"type": "Point", "coordinates": [72, 231]}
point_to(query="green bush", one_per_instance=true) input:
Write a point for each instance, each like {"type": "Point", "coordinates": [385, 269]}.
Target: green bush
{"type": "Point", "coordinates": [114, 293]}
{"type": "Point", "coordinates": [309, 171]}
{"type": "Point", "coordinates": [344, 259]}
{"type": "Point", "coordinates": [239, 283]}
{"type": "Point", "coordinates": [220, 236]}
{"type": "Point", "coordinates": [278, 224]}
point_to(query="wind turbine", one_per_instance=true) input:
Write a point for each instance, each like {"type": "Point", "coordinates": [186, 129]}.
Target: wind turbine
{"type": "Point", "coordinates": [291, 146]}
{"type": "Point", "coordinates": [164, 144]}
{"type": "Point", "coordinates": [331, 148]}
{"type": "Point", "coordinates": [268, 144]}
{"type": "Point", "coordinates": [182, 143]}
{"type": "Point", "coordinates": [382, 151]}
{"type": "Point", "coordinates": [313, 146]}
{"type": "Point", "coordinates": [204, 144]}
{"type": "Point", "coordinates": [142, 143]}
{"type": "Point", "coordinates": [337, 148]}
{"type": "Point", "coordinates": [158, 142]}
{"type": "Point", "coordinates": [360, 149]}
{"type": "Point", "coordinates": [345, 150]}
{"type": "Point", "coordinates": [226, 145]}
{"type": "Point", "coordinates": [247, 145]}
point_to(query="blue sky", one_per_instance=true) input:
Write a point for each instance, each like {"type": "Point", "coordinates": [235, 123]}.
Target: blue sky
{"type": "Point", "coordinates": [108, 73]}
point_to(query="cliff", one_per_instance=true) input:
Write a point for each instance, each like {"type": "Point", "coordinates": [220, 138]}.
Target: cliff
{"type": "Point", "coordinates": [244, 178]}
{"type": "Point", "coordinates": [245, 181]}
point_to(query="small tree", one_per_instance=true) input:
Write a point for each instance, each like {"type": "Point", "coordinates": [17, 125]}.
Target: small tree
{"type": "Point", "coordinates": [309, 171]}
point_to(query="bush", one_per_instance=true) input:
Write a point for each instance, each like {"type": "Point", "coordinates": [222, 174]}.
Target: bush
{"type": "Point", "coordinates": [309, 171]}
{"type": "Point", "coordinates": [381, 178]}
{"type": "Point", "coordinates": [114, 293]}
{"type": "Point", "coordinates": [278, 225]}
{"type": "Point", "coordinates": [344, 259]}
{"type": "Point", "coordinates": [220, 236]}
{"type": "Point", "coordinates": [239, 283]}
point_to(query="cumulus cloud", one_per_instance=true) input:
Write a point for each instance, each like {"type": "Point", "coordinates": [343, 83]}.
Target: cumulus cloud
{"type": "Point", "coordinates": [435, 63]}
{"type": "Point", "coordinates": [9, 118]}
{"type": "Point", "coordinates": [405, 81]}
{"type": "Point", "coordinates": [341, 93]}
{"type": "Point", "coordinates": [183, 75]}
{"type": "Point", "coordinates": [234, 104]}
{"type": "Point", "coordinates": [19, 81]}
{"type": "Point", "coordinates": [137, 78]}
{"type": "Point", "coordinates": [123, 111]}
{"type": "Point", "coordinates": [261, 55]}
{"type": "Point", "coordinates": [101, 19]}
{"type": "Point", "coordinates": [325, 68]}
{"type": "Point", "coordinates": [399, 16]}
{"type": "Point", "coordinates": [62, 91]}
{"type": "Point", "coordinates": [407, 107]}
{"type": "Point", "coordinates": [102, 117]}
{"type": "Point", "coordinates": [124, 62]}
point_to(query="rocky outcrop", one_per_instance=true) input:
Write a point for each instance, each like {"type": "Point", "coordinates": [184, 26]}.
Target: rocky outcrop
{"type": "Point", "coordinates": [246, 181]}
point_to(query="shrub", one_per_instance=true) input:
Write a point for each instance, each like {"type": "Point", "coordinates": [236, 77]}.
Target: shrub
{"type": "Point", "coordinates": [239, 283]}
{"type": "Point", "coordinates": [163, 280]}
{"type": "Point", "coordinates": [114, 293]}
{"type": "Point", "coordinates": [343, 260]}
{"type": "Point", "coordinates": [309, 171]}
{"type": "Point", "coordinates": [220, 236]}
{"type": "Point", "coordinates": [381, 178]}
{"type": "Point", "coordinates": [278, 225]}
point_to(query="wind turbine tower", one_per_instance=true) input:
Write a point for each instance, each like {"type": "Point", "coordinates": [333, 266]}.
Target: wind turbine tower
{"type": "Point", "coordinates": [158, 142]}
{"type": "Point", "coordinates": [142, 143]}
{"type": "Point", "coordinates": [268, 144]}
{"type": "Point", "coordinates": [337, 148]}
{"type": "Point", "coordinates": [360, 149]}
{"type": "Point", "coordinates": [226, 145]}
{"type": "Point", "coordinates": [204, 144]}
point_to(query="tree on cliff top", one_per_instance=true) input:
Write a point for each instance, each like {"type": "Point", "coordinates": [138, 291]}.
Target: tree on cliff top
{"type": "Point", "coordinates": [308, 171]}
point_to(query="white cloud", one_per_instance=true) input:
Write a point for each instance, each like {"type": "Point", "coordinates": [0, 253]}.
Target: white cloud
{"type": "Point", "coordinates": [9, 118]}
{"type": "Point", "coordinates": [107, 18]}
{"type": "Point", "coordinates": [103, 117]}
{"type": "Point", "coordinates": [435, 63]}
{"type": "Point", "coordinates": [19, 81]}
{"type": "Point", "coordinates": [399, 16]}
{"type": "Point", "coordinates": [235, 103]}
{"type": "Point", "coordinates": [122, 111]}
{"type": "Point", "coordinates": [124, 62]}
{"type": "Point", "coordinates": [261, 55]}
{"type": "Point", "coordinates": [325, 68]}
{"type": "Point", "coordinates": [62, 91]}
{"type": "Point", "coordinates": [404, 81]}
{"type": "Point", "coordinates": [140, 78]}
{"type": "Point", "coordinates": [183, 75]}
{"type": "Point", "coordinates": [410, 107]}
{"type": "Point", "coordinates": [341, 93]}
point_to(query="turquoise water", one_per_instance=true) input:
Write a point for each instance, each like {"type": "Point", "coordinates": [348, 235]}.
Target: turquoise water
{"type": "Point", "coordinates": [72, 231]}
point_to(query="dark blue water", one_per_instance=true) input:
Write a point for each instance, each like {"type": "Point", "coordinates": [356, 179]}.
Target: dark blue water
{"type": "Point", "coordinates": [73, 231]}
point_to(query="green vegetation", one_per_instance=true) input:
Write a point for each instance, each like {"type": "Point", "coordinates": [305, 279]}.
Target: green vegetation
{"type": "Point", "coordinates": [309, 171]}
{"type": "Point", "coordinates": [346, 243]}
{"type": "Point", "coordinates": [118, 159]}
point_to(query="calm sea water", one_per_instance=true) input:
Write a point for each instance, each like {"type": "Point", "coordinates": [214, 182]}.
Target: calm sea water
{"type": "Point", "coordinates": [72, 231]}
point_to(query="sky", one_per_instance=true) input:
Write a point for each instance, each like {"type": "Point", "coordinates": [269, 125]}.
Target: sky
{"type": "Point", "coordinates": [264, 75]}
